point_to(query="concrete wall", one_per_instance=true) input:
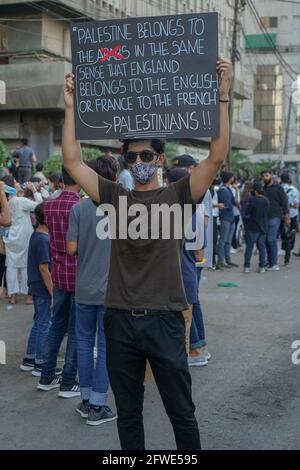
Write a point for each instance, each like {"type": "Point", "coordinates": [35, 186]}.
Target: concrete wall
{"type": "Point", "coordinates": [36, 126]}
{"type": "Point", "coordinates": [56, 36]}
{"type": "Point", "coordinates": [24, 36]}
{"type": "Point", "coordinates": [288, 35]}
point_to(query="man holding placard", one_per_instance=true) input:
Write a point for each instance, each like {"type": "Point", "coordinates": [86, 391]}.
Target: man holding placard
{"type": "Point", "coordinates": [145, 294]}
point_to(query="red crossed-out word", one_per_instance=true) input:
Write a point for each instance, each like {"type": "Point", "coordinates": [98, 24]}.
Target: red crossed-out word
{"type": "Point", "coordinates": [111, 53]}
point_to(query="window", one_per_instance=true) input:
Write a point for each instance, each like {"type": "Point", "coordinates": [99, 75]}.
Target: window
{"type": "Point", "coordinates": [3, 37]}
{"type": "Point", "coordinates": [269, 21]}
{"type": "Point", "coordinates": [268, 107]}
{"type": "Point", "coordinates": [237, 110]}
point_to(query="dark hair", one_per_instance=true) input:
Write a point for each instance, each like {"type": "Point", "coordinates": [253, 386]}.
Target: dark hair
{"type": "Point", "coordinates": [226, 176]}
{"type": "Point", "coordinates": [247, 188]}
{"type": "Point", "coordinates": [285, 178]}
{"type": "Point", "coordinates": [67, 179]}
{"type": "Point", "coordinates": [262, 173]}
{"type": "Point", "coordinates": [258, 187]}
{"type": "Point", "coordinates": [39, 214]}
{"type": "Point", "coordinates": [176, 174]}
{"type": "Point", "coordinates": [157, 144]}
{"type": "Point", "coordinates": [25, 141]}
{"type": "Point", "coordinates": [28, 193]}
{"type": "Point", "coordinates": [105, 166]}
{"type": "Point", "coordinates": [35, 179]}
{"type": "Point", "coordinates": [55, 178]}
{"type": "Point", "coordinates": [9, 180]}
{"type": "Point", "coordinates": [39, 167]}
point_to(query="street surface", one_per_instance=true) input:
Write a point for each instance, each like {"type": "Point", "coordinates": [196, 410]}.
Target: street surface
{"type": "Point", "coordinates": [248, 397]}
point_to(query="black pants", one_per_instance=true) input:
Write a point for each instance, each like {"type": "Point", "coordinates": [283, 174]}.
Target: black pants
{"type": "Point", "coordinates": [294, 226]}
{"type": "Point", "coordinates": [235, 242]}
{"type": "Point", "coordinates": [288, 245]}
{"type": "Point", "coordinates": [215, 239]}
{"type": "Point", "coordinates": [160, 338]}
{"type": "Point", "coordinates": [2, 271]}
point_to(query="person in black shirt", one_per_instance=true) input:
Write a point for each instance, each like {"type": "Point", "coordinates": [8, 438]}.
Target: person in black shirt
{"type": "Point", "coordinates": [145, 295]}
{"type": "Point", "coordinates": [278, 209]}
{"type": "Point", "coordinates": [257, 226]}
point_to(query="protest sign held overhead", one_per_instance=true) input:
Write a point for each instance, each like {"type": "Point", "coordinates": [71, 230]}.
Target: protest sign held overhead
{"type": "Point", "coordinates": [146, 77]}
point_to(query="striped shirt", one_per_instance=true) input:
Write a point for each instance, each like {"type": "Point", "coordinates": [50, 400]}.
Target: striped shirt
{"type": "Point", "coordinates": [57, 213]}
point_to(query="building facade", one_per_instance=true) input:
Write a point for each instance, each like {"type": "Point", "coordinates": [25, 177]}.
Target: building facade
{"type": "Point", "coordinates": [273, 51]}
{"type": "Point", "coordinates": [35, 55]}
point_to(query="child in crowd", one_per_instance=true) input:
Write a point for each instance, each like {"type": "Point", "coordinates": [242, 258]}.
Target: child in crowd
{"type": "Point", "coordinates": [41, 288]}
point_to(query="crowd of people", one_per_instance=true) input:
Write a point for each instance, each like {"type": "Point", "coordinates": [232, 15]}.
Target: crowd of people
{"type": "Point", "coordinates": [259, 212]}
{"type": "Point", "coordinates": [49, 238]}
{"type": "Point", "coordinates": [130, 308]}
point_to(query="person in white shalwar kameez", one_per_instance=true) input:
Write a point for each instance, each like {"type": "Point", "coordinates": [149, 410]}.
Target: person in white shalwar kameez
{"type": "Point", "coordinates": [17, 242]}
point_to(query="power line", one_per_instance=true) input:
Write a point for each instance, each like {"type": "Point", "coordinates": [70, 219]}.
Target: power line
{"type": "Point", "coordinates": [288, 1]}
{"type": "Point", "coordinates": [288, 68]}
{"type": "Point", "coordinates": [268, 37]}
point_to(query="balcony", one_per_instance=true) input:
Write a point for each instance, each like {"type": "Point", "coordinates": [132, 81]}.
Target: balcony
{"type": "Point", "coordinates": [34, 86]}
{"type": "Point", "coordinates": [245, 137]}
{"type": "Point", "coordinates": [81, 9]}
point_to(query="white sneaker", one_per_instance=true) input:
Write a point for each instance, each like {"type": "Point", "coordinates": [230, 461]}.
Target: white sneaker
{"type": "Point", "coordinates": [247, 270]}
{"type": "Point", "coordinates": [233, 251]}
{"type": "Point", "coordinates": [281, 253]}
{"type": "Point", "coordinates": [261, 270]}
{"type": "Point", "coordinates": [197, 361]}
{"type": "Point", "coordinates": [207, 355]}
{"type": "Point", "coordinates": [274, 268]}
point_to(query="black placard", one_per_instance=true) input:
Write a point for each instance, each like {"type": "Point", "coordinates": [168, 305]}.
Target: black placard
{"type": "Point", "coordinates": [146, 77]}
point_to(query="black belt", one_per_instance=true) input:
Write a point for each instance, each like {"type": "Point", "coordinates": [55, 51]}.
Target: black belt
{"type": "Point", "coordinates": [145, 312]}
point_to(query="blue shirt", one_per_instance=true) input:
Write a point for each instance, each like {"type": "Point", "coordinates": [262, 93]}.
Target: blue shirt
{"type": "Point", "coordinates": [25, 155]}
{"type": "Point", "coordinates": [38, 253]}
{"type": "Point", "coordinates": [226, 197]}
{"type": "Point", "coordinates": [188, 263]}
{"type": "Point", "coordinates": [126, 180]}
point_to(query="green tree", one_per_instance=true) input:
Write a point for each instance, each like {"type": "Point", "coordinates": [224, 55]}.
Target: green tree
{"type": "Point", "coordinates": [171, 151]}
{"type": "Point", "coordinates": [54, 163]}
{"type": "Point", "coordinates": [3, 155]}
{"type": "Point", "coordinates": [243, 167]}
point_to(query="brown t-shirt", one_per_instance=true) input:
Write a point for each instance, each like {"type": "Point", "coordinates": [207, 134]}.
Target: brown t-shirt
{"type": "Point", "coordinates": [145, 273]}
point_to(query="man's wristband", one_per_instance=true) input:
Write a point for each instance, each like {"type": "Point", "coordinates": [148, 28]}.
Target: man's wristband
{"type": "Point", "coordinates": [224, 101]}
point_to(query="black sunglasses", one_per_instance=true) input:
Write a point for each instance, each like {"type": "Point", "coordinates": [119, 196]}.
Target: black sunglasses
{"type": "Point", "coordinates": [146, 156]}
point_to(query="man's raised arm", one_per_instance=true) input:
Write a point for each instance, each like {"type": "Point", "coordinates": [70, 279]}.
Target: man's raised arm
{"type": "Point", "coordinates": [205, 172]}
{"type": "Point", "coordinates": [71, 148]}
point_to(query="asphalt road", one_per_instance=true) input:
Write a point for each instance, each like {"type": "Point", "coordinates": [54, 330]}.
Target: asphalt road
{"type": "Point", "coordinates": [248, 397]}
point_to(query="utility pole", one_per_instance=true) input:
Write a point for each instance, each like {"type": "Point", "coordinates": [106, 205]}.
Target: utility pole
{"type": "Point", "coordinates": [287, 132]}
{"type": "Point", "coordinates": [233, 60]}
